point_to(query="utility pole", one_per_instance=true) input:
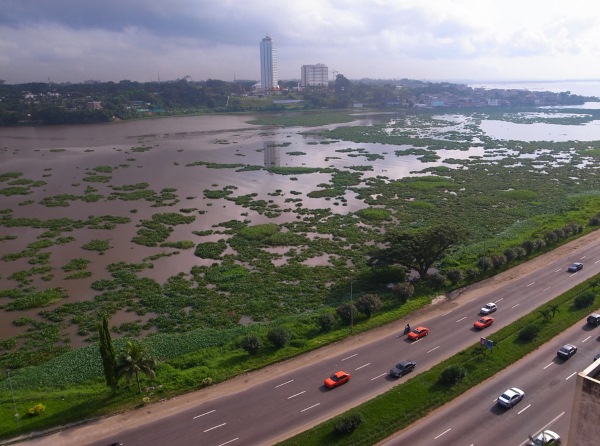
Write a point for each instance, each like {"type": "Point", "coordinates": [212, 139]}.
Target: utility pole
{"type": "Point", "coordinates": [13, 398]}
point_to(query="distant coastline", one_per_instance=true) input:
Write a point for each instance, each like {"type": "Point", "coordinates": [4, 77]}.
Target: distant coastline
{"type": "Point", "coordinates": [583, 88]}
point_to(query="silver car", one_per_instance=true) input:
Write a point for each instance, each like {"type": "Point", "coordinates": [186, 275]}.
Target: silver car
{"type": "Point", "coordinates": [488, 308]}
{"type": "Point", "coordinates": [510, 397]}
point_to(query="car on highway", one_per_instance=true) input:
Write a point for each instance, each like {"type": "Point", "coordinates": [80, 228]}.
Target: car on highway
{"type": "Point", "coordinates": [402, 368]}
{"type": "Point", "coordinates": [488, 308]}
{"type": "Point", "coordinates": [483, 322]}
{"type": "Point", "coordinates": [337, 379]}
{"type": "Point", "coordinates": [418, 333]}
{"type": "Point", "coordinates": [574, 267]}
{"type": "Point", "coordinates": [593, 319]}
{"type": "Point", "coordinates": [566, 351]}
{"type": "Point", "coordinates": [546, 438]}
{"type": "Point", "coordinates": [596, 357]}
{"type": "Point", "coordinates": [510, 397]}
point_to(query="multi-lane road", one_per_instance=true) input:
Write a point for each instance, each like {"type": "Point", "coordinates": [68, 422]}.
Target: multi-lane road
{"type": "Point", "coordinates": [265, 413]}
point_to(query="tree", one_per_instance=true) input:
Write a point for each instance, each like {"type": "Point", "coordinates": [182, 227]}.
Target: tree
{"type": "Point", "coordinates": [107, 352]}
{"type": "Point", "coordinates": [279, 336]}
{"type": "Point", "coordinates": [133, 361]}
{"type": "Point", "coordinates": [252, 344]}
{"type": "Point", "coordinates": [368, 304]}
{"type": "Point", "coordinates": [419, 249]}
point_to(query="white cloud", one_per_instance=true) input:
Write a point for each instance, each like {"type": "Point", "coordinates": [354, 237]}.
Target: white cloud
{"type": "Point", "coordinates": [70, 40]}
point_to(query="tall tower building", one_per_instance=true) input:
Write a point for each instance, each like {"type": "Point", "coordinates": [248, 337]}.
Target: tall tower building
{"type": "Point", "coordinates": [268, 65]}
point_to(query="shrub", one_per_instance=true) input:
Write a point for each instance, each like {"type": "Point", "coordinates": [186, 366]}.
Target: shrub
{"type": "Point", "coordinates": [452, 375]}
{"type": "Point", "coordinates": [36, 410]}
{"type": "Point", "coordinates": [348, 424]}
{"type": "Point", "coordinates": [404, 290]}
{"type": "Point", "coordinates": [584, 300]}
{"type": "Point", "coordinates": [252, 344]}
{"type": "Point", "coordinates": [346, 312]}
{"type": "Point", "coordinates": [279, 336]}
{"type": "Point", "coordinates": [528, 333]}
{"type": "Point", "coordinates": [485, 263]}
{"type": "Point", "coordinates": [510, 254]}
{"type": "Point", "coordinates": [207, 381]}
{"type": "Point", "coordinates": [436, 280]}
{"type": "Point", "coordinates": [368, 304]}
{"type": "Point", "coordinates": [454, 276]}
{"type": "Point", "coordinates": [498, 261]}
{"type": "Point", "coordinates": [528, 246]}
{"type": "Point", "coordinates": [326, 321]}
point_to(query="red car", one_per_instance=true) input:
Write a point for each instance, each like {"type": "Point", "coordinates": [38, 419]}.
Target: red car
{"type": "Point", "coordinates": [337, 379]}
{"type": "Point", "coordinates": [418, 333]}
{"type": "Point", "coordinates": [485, 321]}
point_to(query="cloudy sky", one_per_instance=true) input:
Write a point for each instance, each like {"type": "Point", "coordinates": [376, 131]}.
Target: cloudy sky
{"type": "Point", "coordinates": [144, 40]}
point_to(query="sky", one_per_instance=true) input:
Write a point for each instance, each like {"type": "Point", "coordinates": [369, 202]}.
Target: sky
{"type": "Point", "coordinates": [431, 40]}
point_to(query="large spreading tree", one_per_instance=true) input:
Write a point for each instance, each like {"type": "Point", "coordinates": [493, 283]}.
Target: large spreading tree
{"type": "Point", "coordinates": [418, 249]}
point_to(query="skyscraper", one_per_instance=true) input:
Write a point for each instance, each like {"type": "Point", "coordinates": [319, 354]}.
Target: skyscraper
{"type": "Point", "coordinates": [268, 65]}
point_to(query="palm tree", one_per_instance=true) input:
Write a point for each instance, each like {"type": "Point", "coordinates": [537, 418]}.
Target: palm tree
{"type": "Point", "coordinates": [133, 361]}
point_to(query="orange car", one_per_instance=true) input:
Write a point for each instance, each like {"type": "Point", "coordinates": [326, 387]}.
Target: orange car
{"type": "Point", "coordinates": [418, 333]}
{"type": "Point", "coordinates": [485, 321]}
{"type": "Point", "coordinates": [337, 379]}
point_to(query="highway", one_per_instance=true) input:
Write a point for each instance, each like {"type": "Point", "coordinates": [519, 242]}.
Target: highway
{"type": "Point", "coordinates": [275, 409]}
{"type": "Point", "coordinates": [549, 385]}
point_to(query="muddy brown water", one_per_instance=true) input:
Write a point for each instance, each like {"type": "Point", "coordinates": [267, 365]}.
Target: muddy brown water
{"type": "Point", "coordinates": [63, 156]}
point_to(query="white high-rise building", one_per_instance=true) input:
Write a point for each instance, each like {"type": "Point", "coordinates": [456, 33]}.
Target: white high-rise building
{"type": "Point", "coordinates": [268, 65]}
{"type": "Point", "coordinates": [314, 75]}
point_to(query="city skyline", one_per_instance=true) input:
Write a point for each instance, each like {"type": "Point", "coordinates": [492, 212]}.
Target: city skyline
{"type": "Point", "coordinates": [147, 40]}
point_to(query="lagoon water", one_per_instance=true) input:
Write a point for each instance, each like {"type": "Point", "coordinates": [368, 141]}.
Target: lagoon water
{"type": "Point", "coordinates": [66, 157]}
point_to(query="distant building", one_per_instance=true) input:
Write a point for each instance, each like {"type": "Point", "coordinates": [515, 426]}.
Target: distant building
{"type": "Point", "coordinates": [268, 65]}
{"type": "Point", "coordinates": [94, 105]}
{"type": "Point", "coordinates": [314, 75]}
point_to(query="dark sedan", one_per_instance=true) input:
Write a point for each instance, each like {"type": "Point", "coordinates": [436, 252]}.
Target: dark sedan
{"type": "Point", "coordinates": [566, 351]}
{"type": "Point", "coordinates": [402, 368]}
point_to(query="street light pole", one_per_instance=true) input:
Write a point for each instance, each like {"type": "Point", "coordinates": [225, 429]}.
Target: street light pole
{"type": "Point", "coordinates": [351, 307]}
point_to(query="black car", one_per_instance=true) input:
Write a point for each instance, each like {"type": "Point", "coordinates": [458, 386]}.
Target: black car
{"type": "Point", "coordinates": [596, 357]}
{"type": "Point", "coordinates": [594, 319]}
{"type": "Point", "coordinates": [574, 267]}
{"type": "Point", "coordinates": [402, 368]}
{"type": "Point", "coordinates": [566, 351]}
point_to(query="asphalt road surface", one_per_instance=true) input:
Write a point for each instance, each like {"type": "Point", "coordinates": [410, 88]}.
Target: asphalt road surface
{"type": "Point", "coordinates": [294, 398]}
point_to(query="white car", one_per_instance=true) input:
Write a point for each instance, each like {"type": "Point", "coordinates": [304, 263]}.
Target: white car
{"type": "Point", "coordinates": [546, 438]}
{"type": "Point", "coordinates": [488, 308]}
{"type": "Point", "coordinates": [510, 397]}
